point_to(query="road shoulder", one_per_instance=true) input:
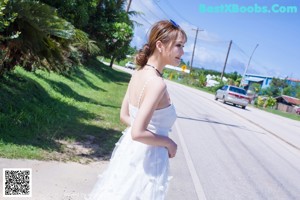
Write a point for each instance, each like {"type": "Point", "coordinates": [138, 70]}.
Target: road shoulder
{"type": "Point", "coordinates": [57, 180]}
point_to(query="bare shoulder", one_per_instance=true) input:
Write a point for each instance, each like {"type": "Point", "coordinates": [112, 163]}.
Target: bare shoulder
{"type": "Point", "coordinates": [156, 85]}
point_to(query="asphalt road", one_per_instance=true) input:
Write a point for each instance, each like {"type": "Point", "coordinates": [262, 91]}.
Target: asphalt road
{"type": "Point", "coordinates": [224, 152]}
{"type": "Point", "coordinates": [229, 153]}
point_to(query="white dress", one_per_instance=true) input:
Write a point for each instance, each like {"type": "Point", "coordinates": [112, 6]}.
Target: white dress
{"type": "Point", "coordinates": [137, 171]}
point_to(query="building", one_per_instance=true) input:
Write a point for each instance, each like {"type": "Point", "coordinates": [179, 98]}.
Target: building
{"type": "Point", "coordinates": [293, 82]}
{"type": "Point", "coordinates": [265, 81]}
{"type": "Point", "coordinates": [249, 79]}
{"type": "Point", "coordinates": [287, 103]}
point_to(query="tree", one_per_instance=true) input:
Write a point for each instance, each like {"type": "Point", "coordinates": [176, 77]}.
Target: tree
{"type": "Point", "coordinates": [132, 50]}
{"type": "Point", "coordinates": [279, 83]}
{"type": "Point", "coordinates": [117, 46]}
{"type": "Point", "coordinates": [101, 19]}
{"type": "Point", "coordinates": [289, 90]}
{"type": "Point", "coordinates": [297, 91]}
{"type": "Point", "coordinates": [5, 21]}
{"type": "Point", "coordinates": [85, 45]}
{"type": "Point", "coordinates": [238, 81]}
{"type": "Point", "coordinates": [112, 28]}
{"type": "Point", "coordinates": [292, 90]}
{"type": "Point", "coordinates": [5, 18]}
{"type": "Point", "coordinates": [233, 75]}
{"type": "Point", "coordinates": [276, 87]}
{"type": "Point", "coordinates": [255, 87]}
{"type": "Point", "coordinates": [77, 12]}
{"type": "Point", "coordinates": [44, 41]}
{"type": "Point", "coordinates": [202, 79]}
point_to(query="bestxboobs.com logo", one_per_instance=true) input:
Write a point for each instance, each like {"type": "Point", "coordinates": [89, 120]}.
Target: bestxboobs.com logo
{"type": "Point", "coordinates": [235, 8]}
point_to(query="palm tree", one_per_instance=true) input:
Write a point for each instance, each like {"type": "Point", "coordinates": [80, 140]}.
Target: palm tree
{"type": "Point", "coordinates": [101, 19]}
{"type": "Point", "coordinates": [44, 41]}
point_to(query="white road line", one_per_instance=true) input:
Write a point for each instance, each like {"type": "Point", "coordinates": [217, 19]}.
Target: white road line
{"type": "Point", "coordinates": [195, 178]}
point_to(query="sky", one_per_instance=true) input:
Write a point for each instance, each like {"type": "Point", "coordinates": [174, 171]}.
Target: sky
{"type": "Point", "coordinates": [267, 30]}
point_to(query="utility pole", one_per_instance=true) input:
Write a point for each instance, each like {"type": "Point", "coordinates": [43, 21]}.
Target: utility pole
{"type": "Point", "coordinates": [226, 60]}
{"type": "Point", "coordinates": [128, 6]}
{"type": "Point", "coordinates": [194, 46]}
{"type": "Point", "coordinates": [243, 78]}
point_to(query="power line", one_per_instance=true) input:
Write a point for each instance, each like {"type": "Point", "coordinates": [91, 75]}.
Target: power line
{"type": "Point", "coordinates": [240, 49]}
{"type": "Point", "coordinates": [247, 56]}
{"type": "Point", "coordinates": [184, 19]}
{"type": "Point", "coordinates": [208, 42]}
{"type": "Point", "coordinates": [174, 10]}
{"type": "Point", "coordinates": [162, 10]}
{"type": "Point", "coordinates": [150, 10]}
{"type": "Point", "coordinates": [146, 20]}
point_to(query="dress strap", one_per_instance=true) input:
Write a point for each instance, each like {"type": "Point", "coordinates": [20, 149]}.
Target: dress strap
{"type": "Point", "coordinates": [142, 92]}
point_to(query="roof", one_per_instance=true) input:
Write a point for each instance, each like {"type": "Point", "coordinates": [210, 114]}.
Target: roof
{"type": "Point", "coordinates": [257, 75]}
{"type": "Point", "coordinates": [255, 79]}
{"type": "Point", "coordinates": [293, 79]}
{"type": "Point", "coordinates": [291, 100]}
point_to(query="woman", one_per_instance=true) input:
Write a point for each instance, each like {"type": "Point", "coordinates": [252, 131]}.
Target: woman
{"type": "Point", "coordinates": [139, 166]}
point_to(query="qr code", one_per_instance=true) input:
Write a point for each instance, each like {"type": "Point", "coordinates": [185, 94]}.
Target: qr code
{"type": "Point", "coordinates": [17, 182]}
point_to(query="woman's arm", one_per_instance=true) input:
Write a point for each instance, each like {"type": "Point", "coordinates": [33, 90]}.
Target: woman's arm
{"type": "Point", "coordinates": [139, 132]}
{"type": "Point", "coordinates": [124, 113]}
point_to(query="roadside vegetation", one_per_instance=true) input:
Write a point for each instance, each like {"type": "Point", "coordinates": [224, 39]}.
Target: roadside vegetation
{"type": "Point", "coordinates": [50, 116]}
{"type": "Point", "coordinates": [58, 101]}
{"type": "Point", "coordinates": [280, 113]}
{"type": "Point", "coordinates": [264, 98]}
{"type": "Point", "coordinates": [59, 35]}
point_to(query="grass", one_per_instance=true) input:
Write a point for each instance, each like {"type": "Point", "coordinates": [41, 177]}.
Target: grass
{"type": "Point", "coordinates": [75, 117]}
{"type": "Point", "coordinates": [281, 113]}
{"type": "Point", "coordinates": [121, 63]}
{"type": "Point", "coordinates": [47, 116]}
{"type": "Point", "coordinates": [211, 91]}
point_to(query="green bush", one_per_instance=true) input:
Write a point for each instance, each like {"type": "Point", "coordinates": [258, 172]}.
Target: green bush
{"type": "Point", "coordinates": [215, 88]}
{"type": "Point", "coordinates": [270, 102]}
{"type": "Point", "coordinates": [260, 101]}
{"type": "Point", "coordinates": [265, 102]}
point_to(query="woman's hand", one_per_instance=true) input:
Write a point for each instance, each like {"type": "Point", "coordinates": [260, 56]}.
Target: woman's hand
{"type": "Point", "coordinates": [172, 148]}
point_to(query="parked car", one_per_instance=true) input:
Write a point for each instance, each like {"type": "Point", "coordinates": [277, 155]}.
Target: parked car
{"type": "Point", "coordinates": [234, 95]}
{"type": "Point", "coordinates": [130, 65]}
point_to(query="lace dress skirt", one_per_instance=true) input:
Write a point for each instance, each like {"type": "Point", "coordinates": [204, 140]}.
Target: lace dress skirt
{"type": "Point", "coordinates": [136, 172]}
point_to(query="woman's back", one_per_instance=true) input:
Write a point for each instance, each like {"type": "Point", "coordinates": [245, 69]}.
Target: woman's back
{"type": "Point", "coordinates": [139, 86]}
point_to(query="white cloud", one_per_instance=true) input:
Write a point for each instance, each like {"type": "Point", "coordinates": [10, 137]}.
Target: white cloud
{"type": "Point", "coordinates": [151, 13]}
{"type": "Point", "coordinates": [210, 50]}
{"type": "Point", "coordinates": [206, 55]}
